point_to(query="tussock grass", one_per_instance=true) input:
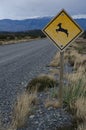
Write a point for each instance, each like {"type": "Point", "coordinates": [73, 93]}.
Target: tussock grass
{"type": "Point", "coordinates": [81, 46]}
{"type": "Point", "coordinates": [75, 89]}
{"type": "Point", "coordinates": [53, 93]}
{"type": "Point", "coordinates": [75, 59]}
{"type": "Point", "coordinates": [80, 106]}
{"type": "Point", "coordinates": [80, 61]}
{"type": "Point", "coordinates": [52, 103]}
{"type": "Point", "coordinates": [72, 57]}
{"type": "Point", "coordinates": [22, 109]}
{"type": "Point", "coordinates": [25, 102]}
{"type": "Point", "coordinates": [75, 55]}
{"type": "Point", "coordinates": [54, 72]}
{"type": "Point", "coordinates": [56, 60]}
{"type": "Point", "coordinates": [41, 83]}
{"type": "Point", "coordinates": [75, 96]}
{"type": "Point", "coordinates": [74, 77]}
{"type": "Point", "coordinates": [82, 127]}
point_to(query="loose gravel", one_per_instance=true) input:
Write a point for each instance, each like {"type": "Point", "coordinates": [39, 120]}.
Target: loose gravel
{"type": "Point", "coordinates": [19, 63]}
{"type": "Point", "coordinates": [48, 118]}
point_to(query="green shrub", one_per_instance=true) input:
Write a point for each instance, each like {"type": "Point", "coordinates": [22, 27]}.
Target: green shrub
{"type": "Point", "coordinates": [74, 91]}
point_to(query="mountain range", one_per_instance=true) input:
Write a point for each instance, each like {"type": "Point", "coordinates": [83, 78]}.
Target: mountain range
{"type": "Point", "coordinates": [9, 25]}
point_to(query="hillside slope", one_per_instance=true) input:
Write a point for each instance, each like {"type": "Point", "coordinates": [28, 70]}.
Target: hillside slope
{"type": "Point", "coordinates": [30, 24]}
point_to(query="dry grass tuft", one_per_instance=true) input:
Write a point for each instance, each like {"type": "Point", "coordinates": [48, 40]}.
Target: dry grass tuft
{"type": "Point", "coordinates": [82, 126]}
{"type": "Point", "coordinates": [52, 103]}
{"type": "Point", "coordinates": [76, 87]}
{"type": "Point", "coordinates": [80, 61]}
{"type": "Point", "coordinates": [76, 76]}
{"type": "Point", "coordinates": [41, 83]}
{"type": "Point", "coordinates": [81, 45]}
{"type": "Point", "coordinates": [75, 59]}
{"type": "Point", "coordinates": [80, 106]}
{"type": "Point", "coordinates": [72, 56]}
{"type": "Point", "coordinates": [22, 109]}
{"type": "Point", "coordinates": [54, 72]}
{"type": "Point", "coordinates": [56, 60]}
{"type": "Point", "coordinates": [75, 96]}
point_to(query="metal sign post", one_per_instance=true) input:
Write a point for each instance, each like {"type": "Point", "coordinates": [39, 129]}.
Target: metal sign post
{"type": "Point", "coordinates": [61, 78]}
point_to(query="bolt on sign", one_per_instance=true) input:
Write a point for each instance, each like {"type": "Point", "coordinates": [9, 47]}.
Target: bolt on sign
{"type": "Point", "coordinates": [62, 30]}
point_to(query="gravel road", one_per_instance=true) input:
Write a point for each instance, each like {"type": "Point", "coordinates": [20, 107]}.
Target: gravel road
{"type": "Point", "coordinates": [19, 63]}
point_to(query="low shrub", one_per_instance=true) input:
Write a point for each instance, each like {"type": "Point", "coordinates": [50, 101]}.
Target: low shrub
{"type": "Point", "coordinates": [41, 83]}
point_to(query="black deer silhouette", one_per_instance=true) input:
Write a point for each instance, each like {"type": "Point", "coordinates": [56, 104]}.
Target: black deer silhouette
{"type": "Point", "coordinates": [62, 29]}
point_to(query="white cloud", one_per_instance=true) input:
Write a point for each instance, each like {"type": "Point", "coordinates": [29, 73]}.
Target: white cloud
{"type": "Point", "coordinates": [79, 16]}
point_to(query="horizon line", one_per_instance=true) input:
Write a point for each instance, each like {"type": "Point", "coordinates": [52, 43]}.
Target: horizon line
{"type": "Point", "coordinates": [79, 16]}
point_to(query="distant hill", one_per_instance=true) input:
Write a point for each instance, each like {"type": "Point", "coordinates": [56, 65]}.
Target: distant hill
{"type": "Point", "coordinates": [8, 25]}
{"type": "Point", "coordinates": [82, 23]}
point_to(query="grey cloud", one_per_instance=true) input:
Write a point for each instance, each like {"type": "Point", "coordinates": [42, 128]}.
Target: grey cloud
{"type": "Point", "coordinates": [20, 9]}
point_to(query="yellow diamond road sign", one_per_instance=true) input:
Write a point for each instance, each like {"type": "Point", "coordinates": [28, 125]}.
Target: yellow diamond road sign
{"type": "Point", "coordinates": [62, 30]}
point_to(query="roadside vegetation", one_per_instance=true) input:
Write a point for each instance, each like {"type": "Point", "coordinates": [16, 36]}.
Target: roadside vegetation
{"type": "Point", "coordinates": [23, 108]}
{"type": "Point", "coordinates": [41, 83]}
{"type": "Point", "coordinates": [14, 37]}
{"type": "Point", "coordinates": [74, 92]}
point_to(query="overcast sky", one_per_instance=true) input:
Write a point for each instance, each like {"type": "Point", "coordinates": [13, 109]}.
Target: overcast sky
{"type": "Point", "coordinates": [23, 9]}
